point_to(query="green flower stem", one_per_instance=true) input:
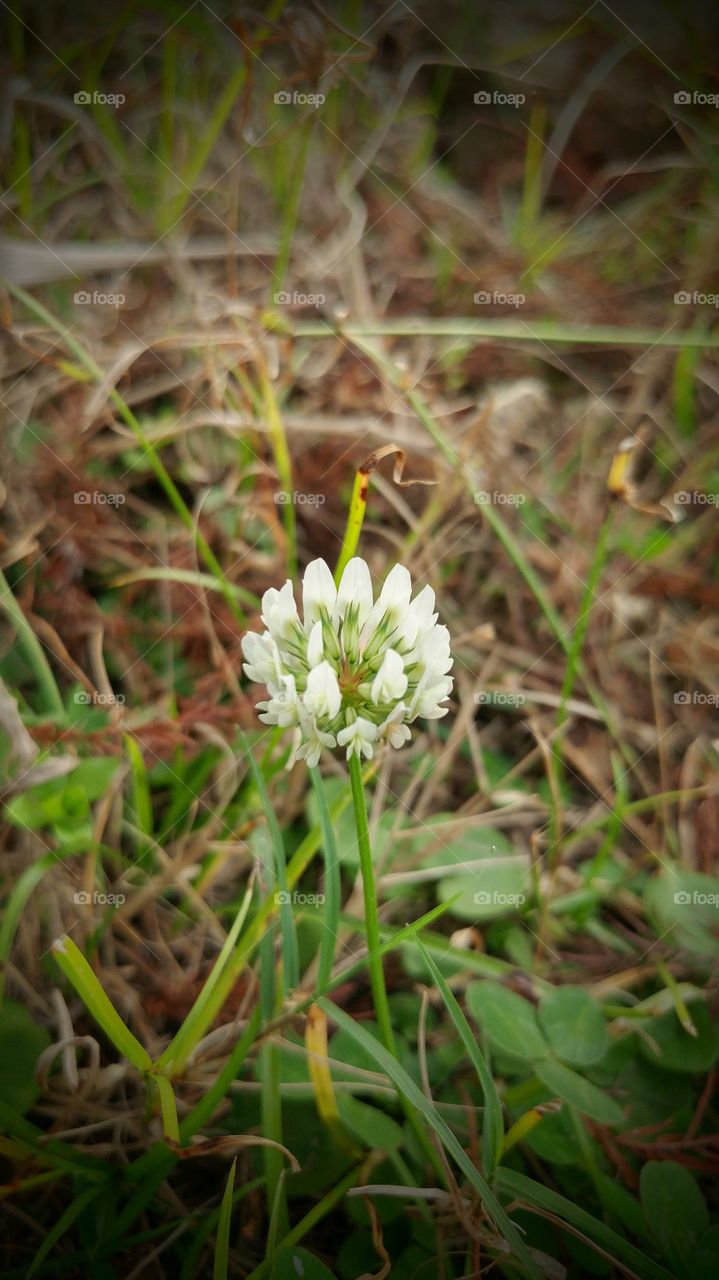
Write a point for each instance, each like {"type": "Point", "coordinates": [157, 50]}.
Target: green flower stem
{"type": "Point", "coordinates": [379, 991]}
{"type": "Point", "coordinates": [355, 520]}
{"type": "Point", "coordinates": [374, 949]}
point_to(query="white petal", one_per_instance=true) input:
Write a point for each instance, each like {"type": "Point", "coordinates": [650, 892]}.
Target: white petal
{"type": "Point", "coordinates": [423, 607]}
{"type": "Point", "coordinates": [279, 611]}
{"type": "Point", "coordinates": [314, 645]}
{"type": "Point", "coordinates": [358, 737]}
{"type": "Point", "coordinates": [318, 591]}
{"type": "Point", "coordinates": [355, 588]}
{"type": "Point", "coordinates": [263, 659]}
{"type": "Point", "coordinates": [323, 695]}
{"type": "Point", "coordinates": [390, 682]}
{"type": "Point", "coordinates": [397, 588]}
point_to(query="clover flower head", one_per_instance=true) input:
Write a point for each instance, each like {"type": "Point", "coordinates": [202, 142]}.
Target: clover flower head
{"type": "Point", "coordinates": [353, 671]}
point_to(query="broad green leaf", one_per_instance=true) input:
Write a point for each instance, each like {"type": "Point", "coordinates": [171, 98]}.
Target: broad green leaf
{"type": "Point", "coordinates": [298, 1264]}
{"type": "Point", "coordinates": [622, 1204]}
{"type": "Point", "coordinates": [21, 1043]}
{"type": "Point", "coordinates": [554, 1139]}
{"type": "Point", "coordinates": [487, 891]}
{"type": "Point", "coordinates": [675, 1210]}
{"type": "Point", "coordinates": [574, 1026]}
{"type": "Point", "coordinates": [583, 1095]}
{"type": "Point", "coordinates": [63, 803]}
{"type": "Point", "coordinates": [685, 904]}
{"type": "Point", "coordinates": [509, 1020]}
{"type": "Point", "coordinates": [369, 1125]}
{"type": "Point", "coordinates": [665, 1042]}
{"type": "Point", "coordinates": [520, 1187]}
{"type": "Point", "coordinates": [703, 1262]}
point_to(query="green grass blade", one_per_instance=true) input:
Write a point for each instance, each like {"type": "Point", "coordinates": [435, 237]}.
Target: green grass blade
{"type": "Point", "coordinates": [520, 1187]}
{"type": "Point", "coordinates": [15, 905]}
{"type": "Point", "coordinates": [407, 1087]}
{"type": "Point", "coordinates": [193, 1028]}
{"type": "Point", "coordinates": [32, 649]}
{"type": "Point", "coordinates": [493, 1130]}
{"type": "Point", "coordinates": [222, 1245]}
{"type": "Point", "coordinates": [203, 1112]}
{"type": "Point", "coordinates": [332, 884]}
{"type": "Point", "coordinates": [290, 953]}
{"type": "Point", "coordinates": [78, 972]}
{"type": "Point", "coordinates": [64, 1222]}
{"type": "Point", "coordinates": [168, 1108]}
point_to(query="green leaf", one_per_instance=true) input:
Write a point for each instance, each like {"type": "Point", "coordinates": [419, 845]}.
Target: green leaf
{"type": "Point", "coordinates": [675, 1210]}
{"type": "Point", "coordinates": [508, 1019]}
{"type": "Point", "coordinates": [370, 1126]}
{"type": "Point", "coordinates": [665, 1042]}
{"type": "Point", "coordinates": [21, 1043]}
{"type": "Point", "coordinates": [685, 903]}
{"type": "Point", "coordinates": [703, 1260]}
{"type": "Point", "coordinates": [583, 1095]}
{"type": "Point", "coordinates": [574, 1025]}
{"type": "Point", "coordinates": [488, 891]}
{"type": "Point", "coordinates": [298, 1264]}
{"type": "Point", "coordinates": [63, 803]}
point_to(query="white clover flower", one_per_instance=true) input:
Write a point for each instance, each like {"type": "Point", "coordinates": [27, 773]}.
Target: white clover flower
{"type": "Point", "coordinates": [353, 672]}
